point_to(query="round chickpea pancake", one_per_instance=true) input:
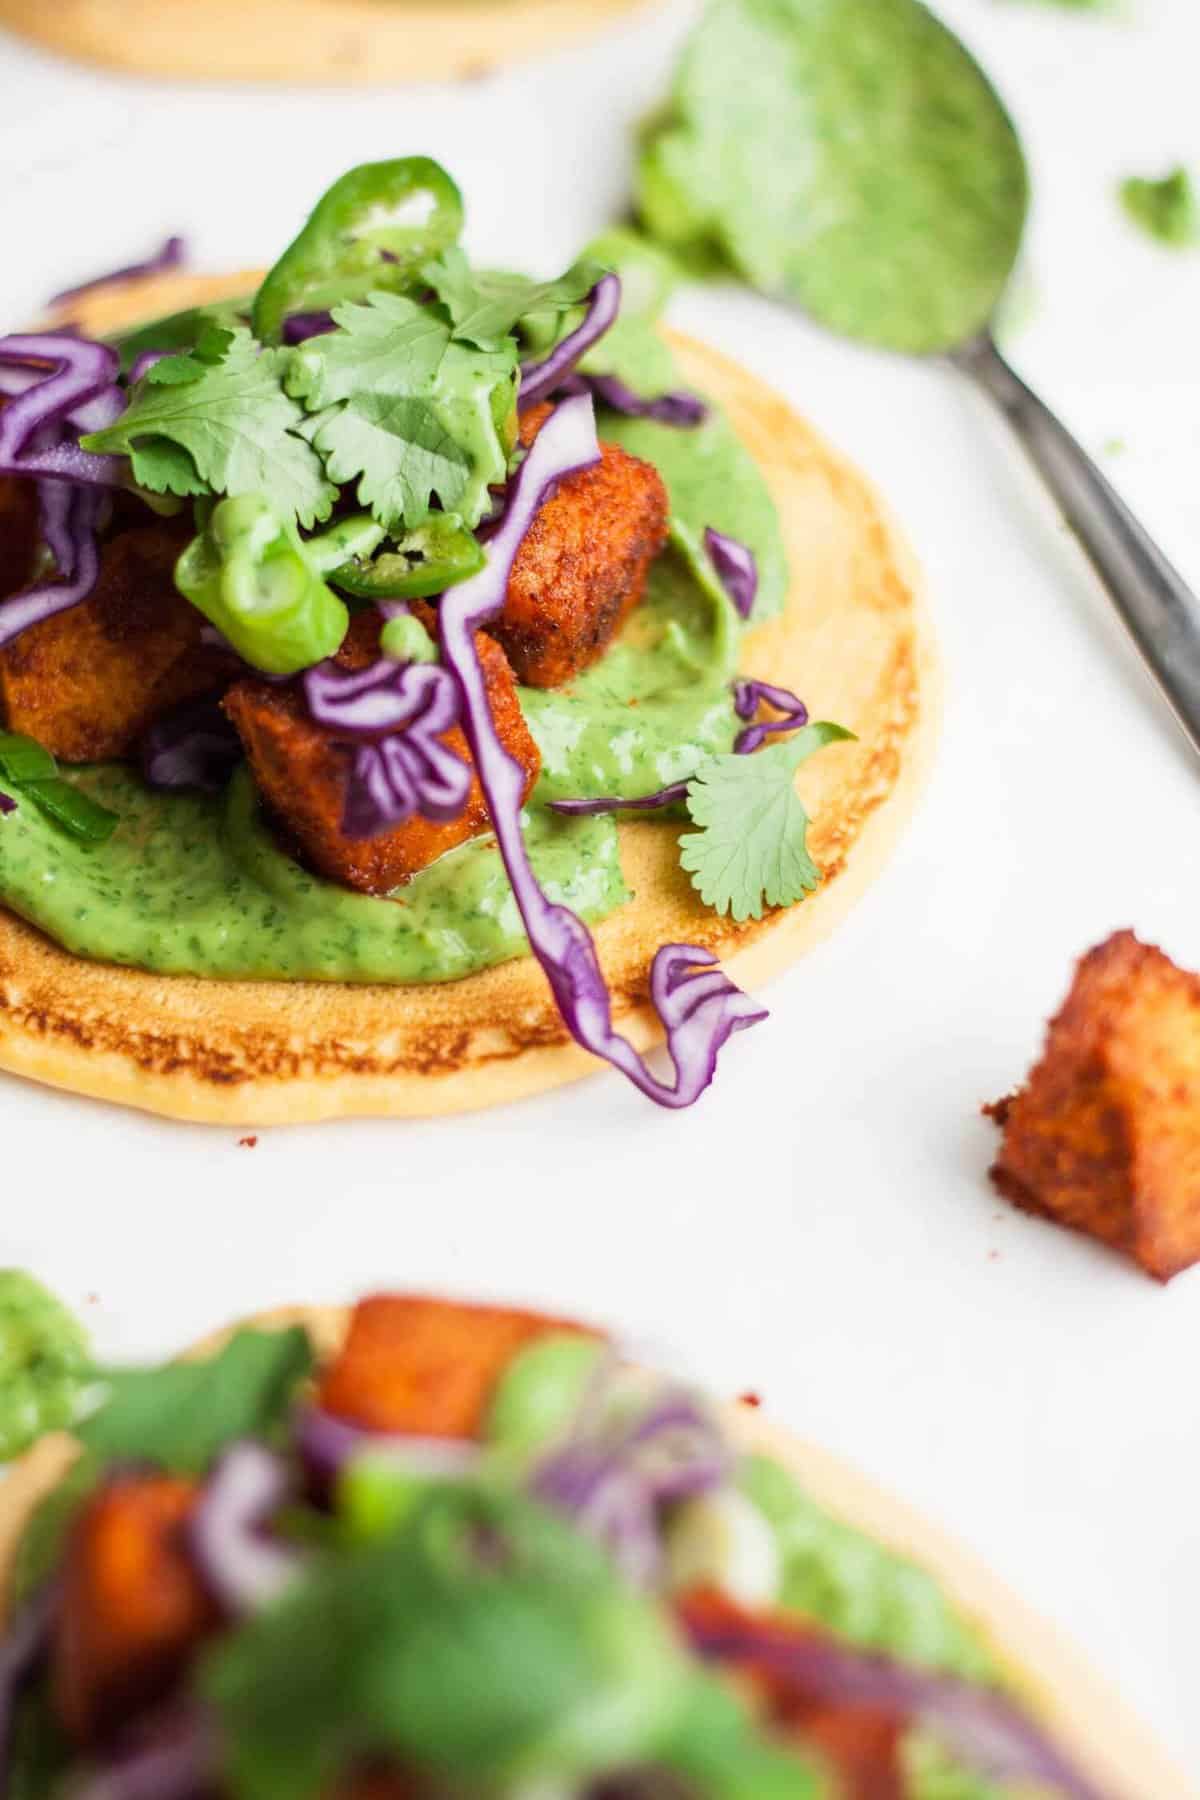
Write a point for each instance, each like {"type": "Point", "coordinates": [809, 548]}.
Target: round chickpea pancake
{"type": "Point", "coordinates": [429, 1548]}
{"type": "Point", "coordinates": [364, 42]}
{"type": "Point", "coordinates": [420, 685]}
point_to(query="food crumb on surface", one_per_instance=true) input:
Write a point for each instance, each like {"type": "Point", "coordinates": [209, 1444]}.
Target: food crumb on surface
{"type": "Point", "coordinates": [247, 1143]}
{"type": "Point", "coordinates": [750, 1398]}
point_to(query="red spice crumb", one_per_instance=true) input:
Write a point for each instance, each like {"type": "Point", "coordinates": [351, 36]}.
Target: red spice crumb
{"type": "Point", "coordinates": [993, 1256]}
{"type": "Point", "coordinates": [247, 1143]}
{"type": "Point", "coordinates": [749, 1398]}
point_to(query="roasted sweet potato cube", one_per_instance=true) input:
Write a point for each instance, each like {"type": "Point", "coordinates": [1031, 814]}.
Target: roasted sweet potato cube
{"type": "Point", "coordinates": [583, 564]}
{"type": "Point", "coordinates": [302, 771]}
{"type": "Point", "coordinates": [132, 1608]}
{"type": "Point", "coordinates": [88, 682]}
{"type": "Point", "coordinates": [1105, 1135]}
{"type": "Point", "coordinates": [18, 534]}
{"type": "Point", "coordinates": [427, 1367]}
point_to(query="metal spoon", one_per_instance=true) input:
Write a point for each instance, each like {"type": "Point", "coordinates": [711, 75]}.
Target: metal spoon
{"type": "Point", "coordinates": [1160, 611]}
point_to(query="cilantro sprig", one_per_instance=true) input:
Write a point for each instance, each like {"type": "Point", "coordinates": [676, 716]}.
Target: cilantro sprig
{"type": "Point", "coordinates": [216, 420]}
{"type": "Point", "coordinates": [751, 846]}
{"type": "Point", "coordinates": [486, 306]}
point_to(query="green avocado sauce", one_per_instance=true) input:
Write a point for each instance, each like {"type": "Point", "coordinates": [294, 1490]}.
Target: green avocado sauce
{"type": "Point", "coordinates": [860, 165]}
{"type": "Point", "coordinates": [192, 885]}
{"type": "Point", "coordinates": [44, 1363]}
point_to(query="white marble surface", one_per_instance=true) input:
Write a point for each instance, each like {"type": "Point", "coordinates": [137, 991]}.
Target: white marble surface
{"type": "Point", "coordinates": [820, 1228]}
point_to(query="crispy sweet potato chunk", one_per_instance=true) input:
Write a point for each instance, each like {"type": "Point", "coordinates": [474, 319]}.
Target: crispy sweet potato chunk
{"type": "Point", "coordinates": [1105, 1135]}
{"type": "Point", "coordinates": [583, 565]}
{"type": "Point", "coordinates": [132, 1609]}
{"type": "Point", "coordinates": [88, 682]}
{"type": "Point", "coordinates": [302, 772]}
{"type": "Point", "coordinates": [18, 534]}
{"type": "Point", "coordinates": [425, 1366]}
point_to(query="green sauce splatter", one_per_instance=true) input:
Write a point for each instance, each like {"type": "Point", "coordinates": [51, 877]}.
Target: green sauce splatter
{"type": "Point", "coordinates": [1164, 209]}
{"type": "Point", "coordinates": [44, 1363]}
{"type": "Point", "coordinates": [860, 164]}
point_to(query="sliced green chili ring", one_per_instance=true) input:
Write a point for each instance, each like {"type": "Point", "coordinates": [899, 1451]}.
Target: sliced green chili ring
{"type": "Point", "coordinates": [426, 561]}
{"type": "Point", "coordinates": [370, 231]}
{"type": "Point", "coordinates": [72, 809]}
{"type": "Point", "coordinates": [354, 538]}
{"type": "Point", "coordinates": [23, 759]}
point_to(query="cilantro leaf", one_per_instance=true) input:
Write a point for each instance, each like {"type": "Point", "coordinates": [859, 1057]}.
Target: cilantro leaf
{"type": "Point", "coordinates": [184, 1414]}
{"type": "Point", "coordinates": [406, 412]}
{"type": "Point", "coordinates": [216, 419]}
{"type": "Point", "coordinates": [485, 306]}
{"type": "Point", "coordinates": [752, 843]}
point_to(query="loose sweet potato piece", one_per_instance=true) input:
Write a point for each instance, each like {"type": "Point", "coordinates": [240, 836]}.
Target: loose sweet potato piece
{"type": "Point", "coordinates": [18, 534]}
{"type": "Point", "coordinates": [132, 1609]}
{"type": "Point", "coordinates": [302, 772]}
{"type": "Point", "coordinates": [88, 682]}
{"type": "Point", "coordinates": [583, 564]}
{"type": "Point", "coordinates": [1105, 1135]}
{"type": "Point", "coordinates": [427, 1367]}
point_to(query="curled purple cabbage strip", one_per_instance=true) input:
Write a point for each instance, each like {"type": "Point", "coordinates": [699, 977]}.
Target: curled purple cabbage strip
{"type": "Point", "coordinates": [407, 769]}
{"type": "Point", "coordinates": [7, 804]}
{"type": "Point", "coordinates": [80, 569]}
{"type": "Point", "coordinates": [241, 1565]}
{"type": "Point", "coordinates": [677, 408]}
{"type": "Point", "coordinates": [748, 695]}
{"type": "Point", "coordinates": [540, 379]}
{"type": "Point", "coordinates": [979, 1725]}
{"type": "Point", "coordinates": [327, 1444]}
{"type": "Point", "coordinates": [174, 1759]}
{"type": "Point", "coordinates": [698, 1006]}
{"type": "Point", "coordinates": [171, 255]}
{"type": "Point", "coordinates": [736, 567]}
{"type": "Point", "coordinates": [81, 372]}
{"type": "Point", "coordinates": [300, 326]}
{"type": "Point", "coordinates": [193, 746]}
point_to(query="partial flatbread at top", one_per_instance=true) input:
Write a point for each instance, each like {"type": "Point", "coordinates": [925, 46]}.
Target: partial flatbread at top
{"type": "Point", "coordinates": [1088, 1721]}
{"type": "Point", "coordinates": [317, 41]}
{"type": "Point", "coordinates": [854, 640]}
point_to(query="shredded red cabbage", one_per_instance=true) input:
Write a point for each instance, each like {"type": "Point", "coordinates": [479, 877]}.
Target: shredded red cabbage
{"type": "Point", "coordinates": [678, 408]}
{"type": "Point", "coordinates": [241, 1565]}
{"type": "Point", "coordinates": [172, 254]}
{"type": "Point", "coordinates": [737, 568]}
{"type": "Point", "coordinates": [80, 372]}
{"type": "Point", "coordinates": [192, 746]}
{"type": "Point", "coordinates": [23, 1645]}
{"type": "Point", "coordinates": [979, 1725]}
{"type": "Point", "coordinates": [327, 1443]}
{"type": "Point", "coordinates": [540, 379]}
{"type": "Point", "coordinates": [79, 566]}
{"type": "Point", "coordinates": [174, 1759]}
{"type": "Point", "coordinates": [299, 327]}
{"type": "Point", "coordinates": [406, 706]}
{"type": "Point", "coordinates": [613, 1484]}
{"type": "Point", "coordinates": [699, 1010]}
{"type": "Point", "coordinates": [747, 697]}
{"type": "Point", "coordinates": [7, 804]}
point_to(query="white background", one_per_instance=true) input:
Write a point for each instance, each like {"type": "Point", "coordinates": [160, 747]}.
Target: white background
{"type": "Point", "coordinates": [820, 1228]}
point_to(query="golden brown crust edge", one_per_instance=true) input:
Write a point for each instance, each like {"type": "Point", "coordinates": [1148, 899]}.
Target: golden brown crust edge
{"type": "Point", "coordinates": [855, 640]}
{"type": "Point", "coordinates": [1090, 1723]}
{"type": "Point", "coordinates": [323, 42]}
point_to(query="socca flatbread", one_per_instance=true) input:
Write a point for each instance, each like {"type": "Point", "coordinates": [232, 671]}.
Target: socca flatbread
{"type": "Point", "coordinates": [854, 640]}
{"type": "Point", "coordinates": [317, 41]}
{"type": "Point", "coordinates": [1099, 1735]}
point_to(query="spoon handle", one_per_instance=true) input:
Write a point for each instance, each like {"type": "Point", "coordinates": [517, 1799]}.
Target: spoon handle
{"type": "Point", "coordinates": [1160, 611]}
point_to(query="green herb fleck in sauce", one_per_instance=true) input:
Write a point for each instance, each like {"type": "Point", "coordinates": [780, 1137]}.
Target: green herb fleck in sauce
{"type": "Point", "coordinates": [1164, 209]}
{"type": "Point", "coordinates": [860, 165]}
{"type": "Point", "coordinates": [45, 1366]}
